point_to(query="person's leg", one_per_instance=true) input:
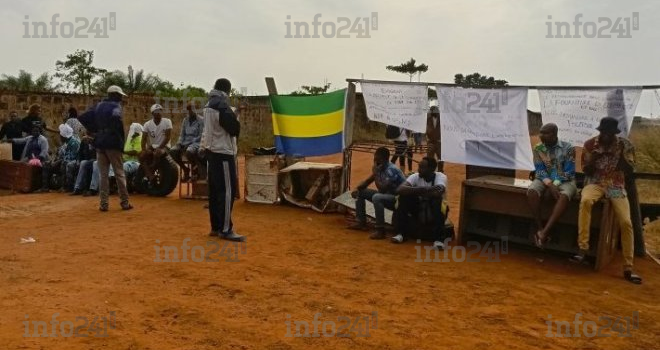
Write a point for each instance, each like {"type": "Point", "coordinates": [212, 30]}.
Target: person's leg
{"type": "Point", "coordinates": [567, 191]}
{"type": "Point", "coordinates": [231, 185]}
{"type": "Point", "coordinates": [361, 207]}
{"type": "Point", "coordinates": [621, 208]}
{"type": "Point", "coordinates": [80, 177]}
{"type": "Point", "coordinates": [191, 154]}
{"type": "Point", "coordinates": [406, 206]}
{"type": "Point", "coordinates": [115, 158]}
{"type": "Point", "coordinates": [46, 171]}
{"type": "Point", "coordinates": [103, 162]}
{"type": "Point", "coordinates": [534, 196]}
{"type": "Point", "coordinates": [590, 195]}
{"type": "Point", "coordinates": [176, 153]}
{"type": "Point", "coordinates": [146, 160]}
{"type": "Point", "coordinates": [380, 201]}
{"type": "Point", "coordinates": [71, 171]}
{"type": "Point", "coordinates": [409, 154]}
{"type": "Point", "coordinates": [214, 183]}
{"type": "Point", "coordinates": [94, 183]}
{"type": "Point", "coordinates": [438, 222]}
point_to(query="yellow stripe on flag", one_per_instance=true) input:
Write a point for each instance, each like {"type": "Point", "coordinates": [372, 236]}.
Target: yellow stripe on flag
{"type": "Point", "coordinates": [308, 125]}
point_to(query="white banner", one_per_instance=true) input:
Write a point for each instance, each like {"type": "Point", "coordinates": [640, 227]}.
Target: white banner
{"type": "Point", "coordinates": [485, 127]}
{"type": "Point", "coordinates": [404, 106]}
{"type": "Point", "coordinates": [577, 113]}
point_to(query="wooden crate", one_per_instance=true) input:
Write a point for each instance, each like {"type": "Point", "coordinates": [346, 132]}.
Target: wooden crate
{"type": "Point", "coordinates": [19, 177]}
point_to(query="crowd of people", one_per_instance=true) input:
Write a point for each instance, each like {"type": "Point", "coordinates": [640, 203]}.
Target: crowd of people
{"type": "Point", "coordinates": [94, 148]}
{"type": "Point", "coordinates": [607, 160]}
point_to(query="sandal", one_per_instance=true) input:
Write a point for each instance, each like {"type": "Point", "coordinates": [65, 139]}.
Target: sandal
{"type": "Point", "coordinates": [126, 206]}
{"type": "Point", "coordinates": [579, 257]}
{"type": "Point", "coordinates": [103, 207]}
{"type": "Point", "coordinates": [631, 277]}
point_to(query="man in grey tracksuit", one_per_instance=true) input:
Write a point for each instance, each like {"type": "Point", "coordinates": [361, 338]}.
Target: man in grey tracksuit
{"type": "Point", "coordinates": [220, 126]}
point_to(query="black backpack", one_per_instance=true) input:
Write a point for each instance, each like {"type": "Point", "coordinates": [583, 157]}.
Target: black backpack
{"type": "Point", "coordinates": [392, 132]}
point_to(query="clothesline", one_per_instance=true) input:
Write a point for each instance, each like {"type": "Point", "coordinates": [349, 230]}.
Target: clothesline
{"type": "Point", "coordinates": [531, 87]}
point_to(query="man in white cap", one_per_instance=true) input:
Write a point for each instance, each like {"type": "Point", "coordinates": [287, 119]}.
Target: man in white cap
{"type": "Point", "coordinates": [104, 123]}
{"type": "Point", "coordinates": [156, 143]}
{"type": "Point", "coordinates": [66, 161]}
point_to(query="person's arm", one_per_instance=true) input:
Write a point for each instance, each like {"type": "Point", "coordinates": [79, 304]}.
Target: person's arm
{"type": "Point", "coordinates": [143, 142]}
{"type": "Point", "coordinates": [19, 141]}
{"type": "Point", "coordinates": [3, 130]}
{"type": "Point", "coordinates": [182, 132]}
{"type": "Point", "coordinates": [364, 184]}
{"type": "Point", "coordinates": [627, 158]}
{"type": "Point", "coordinates": [43, 144]}
{"type": "Point", "coordinates": [200, 131]}
{"type": "Point", "coordinates": [569, 165]}
{"type": "Point", "coordinates": [541, 173]}
{"type": "Point", "coordinates": [406, 189]}
{"type": "Point", "coordinates": [588, 159]}
{"type": "Point", "coordinates": [168, 134]}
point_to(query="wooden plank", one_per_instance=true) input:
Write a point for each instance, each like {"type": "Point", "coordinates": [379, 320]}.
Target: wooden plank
{"type": "Point", "coordinates": [270, 85]}
{"type": "Point", "coordinates": [462, 219]}
{"type": "Point", "coordinates": [636, 217]}
{"type": "Point", "coordinates": [316, 187]}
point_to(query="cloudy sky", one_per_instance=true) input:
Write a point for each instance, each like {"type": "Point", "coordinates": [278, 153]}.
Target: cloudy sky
{"type": "Point", "coordinates": [197, 41]}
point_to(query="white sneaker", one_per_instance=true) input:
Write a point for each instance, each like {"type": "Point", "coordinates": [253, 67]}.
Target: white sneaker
{"type": "Point", "coordinates": [438, 245]}
{"type": "Point", "coordinates": [397, 239]}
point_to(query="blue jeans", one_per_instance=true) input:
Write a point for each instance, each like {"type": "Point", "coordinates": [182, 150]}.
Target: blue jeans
{"type": "Point", "coordinates": [380, 201]}
{"type": "Point", "coordinates": [94, 184]}
{"type": "Point", "coordinates": [84, 173]}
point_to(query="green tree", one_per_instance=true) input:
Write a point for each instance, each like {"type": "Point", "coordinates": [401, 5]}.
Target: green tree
{"type": "Point", "coordinates": [134, 82]}
{"type": "Point", "coordinates": [24, 82]}
{"type": "Point", "coordinates": [478, 80]}
{"type": "Point", "coordinates": [410, 69]}
{"type": "Point", "coordinates": [312, 90]}
{"type": "Point", "coordinates": [78, 71]}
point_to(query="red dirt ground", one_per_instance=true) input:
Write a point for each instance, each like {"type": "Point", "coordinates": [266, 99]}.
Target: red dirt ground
{"type": "Point", "coordinates": [297, 262]}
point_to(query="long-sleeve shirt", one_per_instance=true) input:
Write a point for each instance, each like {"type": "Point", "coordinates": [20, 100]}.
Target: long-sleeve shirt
{"type": "Point", "coordinates": [191, 131]}
{"type": "Point", "coordinates": [37, 147]}
{"type": "Point", "coordinates": [13, 129]}
{"type": "Point", "coordinates": [556, 163]}
{"type": "Point", "coordinates": [607, 171]}
{"type": "Point", "coordinates": [214, 137]}
{"type": "Point", "coordinates": [105, 122]}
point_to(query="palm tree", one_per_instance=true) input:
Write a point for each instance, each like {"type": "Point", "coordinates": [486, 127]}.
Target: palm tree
{"type": "Point", "coordinates": [131, 82]}
{"type": "Point", "coordinates": [25, 82]}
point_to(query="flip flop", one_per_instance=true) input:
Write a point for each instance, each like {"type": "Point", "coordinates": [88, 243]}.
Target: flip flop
{"type": "Point", "coordinates": [578, 259]}
{"type": "Point", "coordinates": [631, 277]}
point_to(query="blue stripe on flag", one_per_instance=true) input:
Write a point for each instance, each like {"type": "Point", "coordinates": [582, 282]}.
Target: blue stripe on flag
{"type": "Point", "coordinates": [310, 146]}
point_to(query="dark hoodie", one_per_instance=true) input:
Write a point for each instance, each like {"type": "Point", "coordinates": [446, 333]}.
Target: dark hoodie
{"type": "Point", "coordinates": [219, 101]}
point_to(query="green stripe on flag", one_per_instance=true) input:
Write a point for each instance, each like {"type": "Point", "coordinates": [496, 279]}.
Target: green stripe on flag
{"type": "Point", "coordinates": [308, 105]}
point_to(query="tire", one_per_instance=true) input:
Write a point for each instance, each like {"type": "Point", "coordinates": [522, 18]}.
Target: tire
{"type": "Point", "coordinates": [167, 178]}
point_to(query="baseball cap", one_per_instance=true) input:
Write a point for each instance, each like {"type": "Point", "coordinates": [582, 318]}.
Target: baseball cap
{"type": "Point", "coordinates": [117, 89]}
{"type": "Point", "coordinates": [156, 107]}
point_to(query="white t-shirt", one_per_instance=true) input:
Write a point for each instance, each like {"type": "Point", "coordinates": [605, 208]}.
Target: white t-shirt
{"type": "Point", "coordinates": [403, 136]}
{"type": "Point", "coordinates": [157, 132]}
{"type": "Point", "coordinates": [417, 181]}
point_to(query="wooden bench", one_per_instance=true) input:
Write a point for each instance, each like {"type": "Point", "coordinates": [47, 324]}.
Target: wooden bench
{"type": "Point", "coordinates": [496, 206]}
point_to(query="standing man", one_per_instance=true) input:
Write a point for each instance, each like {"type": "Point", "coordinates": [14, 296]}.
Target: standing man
{"type": "Point", "coordinates": [13, 129]}
{"type": "Point", "coordinates": [388, 178]}
{"type": "Point", "coordinates": [606, 160]}
{"type": "Point", "coordinates": [433, 135]}
{"type": "Point", "coordinates": [189, 138]}
{"type": "Point", "coordinates": [157, 143]}
{"type": "Point", "coordinates": [220, 126]}
{"type": "Point", "coordinates": [104, 122]}
{"type": "Point", "coordinates": [554, 163]}
{"type": "Point", "coordinates": [423, 194]}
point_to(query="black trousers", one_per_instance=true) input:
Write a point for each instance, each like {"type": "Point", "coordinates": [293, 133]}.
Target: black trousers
{"type": "Point", "coordinates": [422, 211]}
{"type": "Point", "coordinates": [223, 185]}
{"type": "Point", "coordinates": [401, 151]}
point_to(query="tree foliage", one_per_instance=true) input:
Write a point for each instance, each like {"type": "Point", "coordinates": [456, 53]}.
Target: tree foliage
{"type": "Point", "coordinates": [24, 81]}
{"type": "Point", "coordinates": [78, 71]}
{"type": "Point", "coordinates": [312, 90]}
{"type": "Point", "coordinates": [478, 80]}
{"type": "Point", "coordinates": [410, 68]}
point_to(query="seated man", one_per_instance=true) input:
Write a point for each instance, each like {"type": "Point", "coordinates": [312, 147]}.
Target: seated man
{"type": "Point", "coordinates": [388, 178]}
{"type": "Point", "coordinates": [554, 163]}
{"type": "Point", "coordinates": [35, 150]}
{"type": "Point", "coordinates": [132, 149]}
{"type": "Point", "coordinates": [86, 157]}
{"type": "Point", "coordinates": [65, 163]}
{"type": "Point", "coordinates": [13, 129]}
{"type": "Point", "coordinates": [189, 138]}
{"type": "Point", "coordinates": [156, 144]}
{"type": "Point", "coordinates": [422, 193]}
{"type": "Point", "coordinates": [606, 160]}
